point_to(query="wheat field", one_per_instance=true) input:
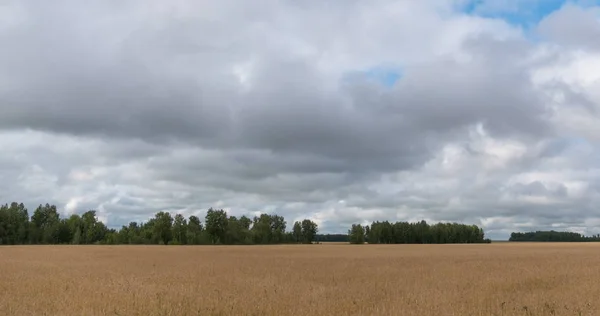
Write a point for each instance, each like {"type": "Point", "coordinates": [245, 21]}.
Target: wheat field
{"type": "Point", "coordinates": [324, 279]}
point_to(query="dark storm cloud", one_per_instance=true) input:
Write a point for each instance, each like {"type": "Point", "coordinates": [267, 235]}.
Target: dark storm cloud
{"type": "Point", "coordinates": [70, 88]}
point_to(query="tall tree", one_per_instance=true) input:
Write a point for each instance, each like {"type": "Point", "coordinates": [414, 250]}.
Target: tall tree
{"type": "Point", "coordinates": [162, 227]}
{"type": "Point", "coordinates": [261, 229]}
{"type": "Point", "coordinates": [297, 232]}
{"type": "Point", "coordinates": [357, 234]}
{"type": "Point", "coordinates": [4, 225]}
{"type": "Point", "coordinates": [194, 231]}
{"type": "Point", "coordinates": [14, 224]}
{"type": "Point", "coordinates": [234, 234]}
{"type": "Point", "coordinates": [76, 228]}
{"type": "Point", "coordinates": [309, 231]}
{"type": "Point", "coordinates": [278, 225]}
{"type": "Point", "coordinates": [180, 230]}
{"type": "Point", "coordinates": [92, 230]}
{"type": "Point", "coordinates": [64, 235]}
{"type": "Point", "coordinates": [216, 225]}
{"type": "Point", "coordinates": [45, 221]}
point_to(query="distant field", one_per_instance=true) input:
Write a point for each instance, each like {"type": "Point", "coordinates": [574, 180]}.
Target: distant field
{"type": "Point", "coordinates": [326, 279]}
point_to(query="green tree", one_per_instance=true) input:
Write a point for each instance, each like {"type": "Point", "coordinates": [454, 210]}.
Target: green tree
{"type": "Point", "coordinates": [64, 235]}
{"type": "Point", "coordinates": [76, 237]}
{"type": "Point", "coordinates": [4, 225]}
{"type": "Point", "coordinates": [194, 231]}
{"type": "Point", "coordinates": [297, 232]}
{"type": "Point", "coordinates": [135, 234]}
{"type": "Point", "coordinates": [14, 224]}
{"type": "Point", "coordinates": [309, 231]}
{"type": "Point", "coordinates": [245, 234]}
{"type": "Point", "coordinates": [162, 227]}
{"type": "Point", "coordinates": [180, 230]}
{"type": "Point", "coordinates": [261, 229]}
{"type": "Point", "coordinates": [46, 221]}
{"type": "Point", "coordinates": [216, 225]}
{"type": "Point", "coordinates": [111, 237]}
{"type": "Point", "coordinates": [234, 234]}
{"type": "Point", "coordinates": [278, 225]}
{"type": "Point", "coordinates": [356, 234]}
{"type": "Point", "coordinates": [93, 231]}
{"type": "Point", "coordinates": [75, 224]}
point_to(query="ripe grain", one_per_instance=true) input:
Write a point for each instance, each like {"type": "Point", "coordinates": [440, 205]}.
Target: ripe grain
{"type": "Point", "coordinates": [326, 279]}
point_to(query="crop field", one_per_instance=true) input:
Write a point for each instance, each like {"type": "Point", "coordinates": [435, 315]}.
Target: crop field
{"type": "Point", "coordinates": [324, 279]}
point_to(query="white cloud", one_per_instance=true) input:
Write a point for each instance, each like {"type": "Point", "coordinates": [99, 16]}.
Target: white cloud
{"type": "Point", "coordinates": [138, 107]}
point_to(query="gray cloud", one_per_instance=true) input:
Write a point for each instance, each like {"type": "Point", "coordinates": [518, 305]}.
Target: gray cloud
{"type": "Point", "coordinates": [131, 108]}
{"type": "Point", "coordinates": [561, 29]}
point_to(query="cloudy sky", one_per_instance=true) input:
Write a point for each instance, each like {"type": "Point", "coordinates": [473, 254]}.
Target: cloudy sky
{"type": "Point", "coordinates": [483, 112]}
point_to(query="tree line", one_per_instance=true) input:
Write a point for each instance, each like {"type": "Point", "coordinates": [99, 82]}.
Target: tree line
{"type": "Point", "coordinates": [416, 233]}
{"type": "Point", "coordinates": [332, 238]}
{"type": "Point", "coordinates": [552, 235]}
{"type": "Point", "coordinates": [46, 226]}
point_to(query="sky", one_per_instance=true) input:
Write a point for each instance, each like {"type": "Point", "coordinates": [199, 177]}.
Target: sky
{"type": "Point", "coordinates": [481, 112]}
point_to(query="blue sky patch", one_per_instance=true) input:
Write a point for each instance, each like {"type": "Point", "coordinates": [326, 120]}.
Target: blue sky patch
{"type": "Point", "coordinates": [384, 75]}
{"type": "Point", "coordinates": [524, 13]}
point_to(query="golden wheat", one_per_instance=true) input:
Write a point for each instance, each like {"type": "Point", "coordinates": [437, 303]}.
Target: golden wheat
{"type": "Point", "coordinates": [326, 279]}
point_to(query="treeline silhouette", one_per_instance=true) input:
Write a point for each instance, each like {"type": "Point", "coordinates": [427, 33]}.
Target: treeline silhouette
{"type": "Point", "coordinates": [45, 226]}
{"type": "Point", "coordinates": [552, 235]}
{"type": "Point", "coordinates": [332, 238]}
{"type": "Point", "coordinates": [416, 233]}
